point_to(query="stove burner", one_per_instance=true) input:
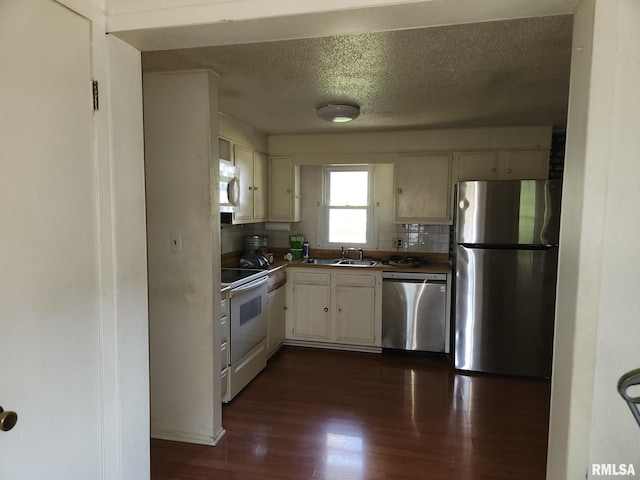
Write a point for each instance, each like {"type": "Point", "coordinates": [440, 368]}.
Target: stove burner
{"type": "Point", "coordinates": [399, 261]}
{"type": "Point", "coordinates": [237, 276]}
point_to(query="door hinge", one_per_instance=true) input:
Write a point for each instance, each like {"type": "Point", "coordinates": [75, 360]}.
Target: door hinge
{"type": "Point", "coordinates": [95, 95]}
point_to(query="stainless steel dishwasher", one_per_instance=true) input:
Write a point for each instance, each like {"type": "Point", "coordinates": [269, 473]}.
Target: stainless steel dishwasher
{"type": "Point", "coordinates": [414, 311]}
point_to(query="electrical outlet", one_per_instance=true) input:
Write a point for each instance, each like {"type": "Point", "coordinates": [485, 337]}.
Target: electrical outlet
{"type": "Point", "coordinates": [397, 242]}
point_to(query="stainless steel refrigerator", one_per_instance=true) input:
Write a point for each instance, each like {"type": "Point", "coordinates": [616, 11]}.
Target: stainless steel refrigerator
{"type": "Point", "coordinates": [506, 256]}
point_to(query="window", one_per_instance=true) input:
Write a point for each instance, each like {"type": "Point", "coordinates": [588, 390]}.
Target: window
{"type": "Point", "coordinates": [347, 211]}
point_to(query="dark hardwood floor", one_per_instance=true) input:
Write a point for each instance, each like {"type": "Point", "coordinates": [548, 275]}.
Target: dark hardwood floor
{"type": "Point", "coordinates": [332, 415]}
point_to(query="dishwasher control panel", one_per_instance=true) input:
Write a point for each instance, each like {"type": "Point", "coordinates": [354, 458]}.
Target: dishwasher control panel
{"type": "Point", "coordinates": [430, 277]}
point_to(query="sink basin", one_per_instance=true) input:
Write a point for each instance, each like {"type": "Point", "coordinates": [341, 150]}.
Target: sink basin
{"type": "Point", "coordinates": [358, 263]}
{"type": "Point", "coordinates": [322, 261]}
{"type": "Point", "coordinates": [339, 261]}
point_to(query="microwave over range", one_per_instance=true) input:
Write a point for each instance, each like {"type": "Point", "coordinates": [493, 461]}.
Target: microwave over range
{"type": "Point", "coordinates": [229, 187]}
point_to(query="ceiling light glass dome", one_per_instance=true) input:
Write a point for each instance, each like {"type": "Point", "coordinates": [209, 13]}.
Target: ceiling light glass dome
{"type": "Point", "coordinates": [338, 112]}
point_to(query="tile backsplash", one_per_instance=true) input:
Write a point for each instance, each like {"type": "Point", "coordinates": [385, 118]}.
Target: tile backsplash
{"type": "Point", "coordinates": [410, 237]}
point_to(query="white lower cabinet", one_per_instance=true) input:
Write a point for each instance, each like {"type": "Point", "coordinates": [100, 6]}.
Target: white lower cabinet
{"type": "Point", "coordinates": [311, 301]}
{"type": "Point", "coordinates": [276, 304]}
{"type": "Point", "coordinates": [355, 309]}
{"type": "Point", "coordinates": [332, 307]}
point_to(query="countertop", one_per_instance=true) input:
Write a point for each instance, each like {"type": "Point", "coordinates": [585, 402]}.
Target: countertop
{"type": "Point", "coordinates": [438, 267]}
{"type": "Point", "coordinates": [441, 264]}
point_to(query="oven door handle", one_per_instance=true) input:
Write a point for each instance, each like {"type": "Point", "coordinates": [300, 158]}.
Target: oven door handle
{"type": "Point", "coordinates": [248, 286]}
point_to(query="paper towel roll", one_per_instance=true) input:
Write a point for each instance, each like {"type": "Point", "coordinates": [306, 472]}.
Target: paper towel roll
{"type": "Point", "coordinates": [278, 226]}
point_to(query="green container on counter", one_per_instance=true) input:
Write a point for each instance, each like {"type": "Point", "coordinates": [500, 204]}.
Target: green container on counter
{"type": "Point", "coordinates": [295, 245]}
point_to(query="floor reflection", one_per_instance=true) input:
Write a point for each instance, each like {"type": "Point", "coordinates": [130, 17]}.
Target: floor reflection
{"type": "Point", "coordinates": [344, 451]}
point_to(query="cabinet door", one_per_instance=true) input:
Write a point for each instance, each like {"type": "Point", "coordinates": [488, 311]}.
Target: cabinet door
{"type": "Point", "coordinates": [477, 166]}
{"type": "Point", "coordinates": [244, 163]}
{"type": "Point", "coordinates": [355, 315]}
{"type": "Point", "coordinates": [423, 189]}
{"type": "Point", "coordinates": [260, 181]}
{"type": "Point", "coordinates": [225, 150]}
{"type": "Point", "coordinates": [524, 164]}
{"type": "Point", "coordinates": [311, 312]}
{"type": "Point", "coordinates": [276, 315]}
{"type": "Point", "coordinates": [284, 186]}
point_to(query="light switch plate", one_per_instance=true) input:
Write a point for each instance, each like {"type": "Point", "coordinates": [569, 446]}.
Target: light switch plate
{"type": "Point", "coordinates": [176, 242]}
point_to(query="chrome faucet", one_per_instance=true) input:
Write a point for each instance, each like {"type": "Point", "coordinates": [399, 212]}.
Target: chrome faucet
{"type": "Point", "coordinates": [343, 253]}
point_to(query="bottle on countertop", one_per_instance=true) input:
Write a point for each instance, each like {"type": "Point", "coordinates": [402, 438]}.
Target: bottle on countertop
{"type": "Point", "coordinates": [305, 250]}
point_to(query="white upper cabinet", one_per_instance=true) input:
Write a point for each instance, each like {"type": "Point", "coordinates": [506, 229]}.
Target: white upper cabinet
{"type": "Point", "coordinates": [260, 185]}
{"type": "Point", "coordinates": [530, 164]}
{"type": "Point", "coordinates": [422, 186]}
{"type": "Point", "coordinates": [524, 164]}
{"type": "Point", "coordinates": [284, 189]}
{"type": "Point", "coordinates": [477, 166]}
{"type": "Point", "coordinates": [225, 150]}
{"type": "Point", "coordinates": [253, 174]}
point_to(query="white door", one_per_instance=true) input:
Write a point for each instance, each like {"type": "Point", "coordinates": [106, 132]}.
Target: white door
{"type": "Point", "coordinates": [50, 367]}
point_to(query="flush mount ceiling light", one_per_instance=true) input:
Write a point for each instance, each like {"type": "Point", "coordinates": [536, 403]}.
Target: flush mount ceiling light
{"type": "Point", "coordinates": [338, 112]}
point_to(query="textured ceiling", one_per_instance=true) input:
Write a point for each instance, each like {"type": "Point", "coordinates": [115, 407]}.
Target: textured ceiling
{"type": "Point", "coordinates": [513, 72]}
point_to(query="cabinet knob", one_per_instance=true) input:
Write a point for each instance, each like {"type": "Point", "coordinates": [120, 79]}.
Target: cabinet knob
{"type": "Point", "coordinates": [288, 190]}
{"type": "Point", "coordinates": [399, 190]}
{"type": "Point", "coordinates": [255, 188]}
{"type": "Point", "coordinates": [250, 188]}
{"type": "Point", "coordinates": [8, 420]}
{"type": "Point", "coordinates": [493, 170]}
{"type": "Point", "coordinates": [508, 170]}
{"type": "Point", "coordinates": [326, 309]}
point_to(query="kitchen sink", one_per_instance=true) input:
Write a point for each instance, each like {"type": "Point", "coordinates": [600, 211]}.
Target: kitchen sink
{"type": "Point", "coordinates": [358, 263]}
{"type": "Point", "coordinates": [340, 261]}
{"type": "Point", "coordinates": [322, 261]}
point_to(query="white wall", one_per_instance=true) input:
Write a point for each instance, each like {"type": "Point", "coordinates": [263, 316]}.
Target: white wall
{"type": "Point", "coordinates": [596, 332]}
{"type": "Point", "coordinates": [381, 147]}
{"type": "Point", "coordinates": [181, 131]}
{"type": "Point", "coordinates": [244, 134]}
{"type": "Point", "coordinates": [615, 435]}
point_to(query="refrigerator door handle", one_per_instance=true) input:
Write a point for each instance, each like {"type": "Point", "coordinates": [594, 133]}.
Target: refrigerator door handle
{"type": "Point", "coordinates": [487, 246]}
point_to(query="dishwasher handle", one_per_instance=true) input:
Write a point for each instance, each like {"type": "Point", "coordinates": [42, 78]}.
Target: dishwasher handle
{"type": "Point", "coordinates": [414, 280]}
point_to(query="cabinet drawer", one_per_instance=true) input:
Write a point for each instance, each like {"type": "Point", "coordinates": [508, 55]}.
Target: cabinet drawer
{"type": "Point", "coordinates": [277, 279]}
{"type": "Point", "coordinates": [223, 355]}
{"type": "Point", "coordinates": [312, 278]}
{"type": "Point", "coordinates": [223, 328]}
{"type": "Point", "coordinates": [346, 280]}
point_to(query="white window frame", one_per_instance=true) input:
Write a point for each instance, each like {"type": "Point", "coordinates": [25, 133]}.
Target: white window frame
{"type": "Point", "coordinates": [370, 234]}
